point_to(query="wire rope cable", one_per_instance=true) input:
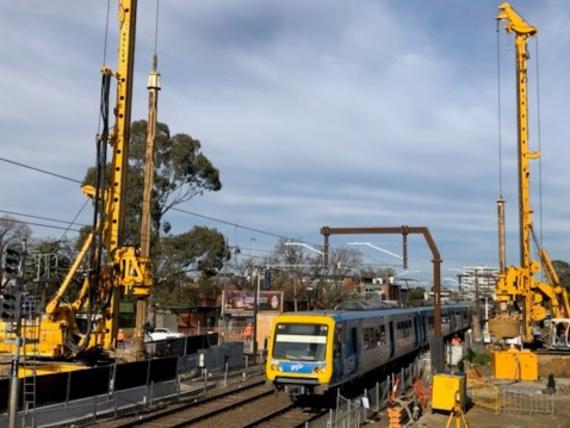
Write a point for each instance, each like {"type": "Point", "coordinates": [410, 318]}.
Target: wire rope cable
{"type": "Point", "coordinates": [106, 37]}
{"type": "Point", "coordinates": [74, 219]}
{"type": "Point", "coordinates": [539, 140]}
{"type": "Point", "coordinates": [499, 113]}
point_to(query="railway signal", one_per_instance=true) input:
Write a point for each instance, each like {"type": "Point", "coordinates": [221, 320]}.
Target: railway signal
{"type": "Point", "coordinates": [12, 263]}
{"type": "Point", "coordinates": [9, 306]}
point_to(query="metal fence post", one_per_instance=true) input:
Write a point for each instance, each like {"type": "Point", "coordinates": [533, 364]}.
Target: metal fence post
{"type": "Point", "coordinates": [246, 367]}
{"type": "Point", "coordinates": [67, 389]}
{"type": "Point", "coordinates": [116, 405]}
{"type": "Point", "coordinates": [377, 397]}
{"type": "Point", "coordinates": [227, 366]}
{"type": "Point", "coordinates": [151, 393]}
{"type": "Point", "coordinates": [94, 408]}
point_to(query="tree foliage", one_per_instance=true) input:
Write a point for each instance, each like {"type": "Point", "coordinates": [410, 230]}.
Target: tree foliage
{"type": "Point", "coordinates": [562, 268]}
{"type": "Point", "coordinates": [182, 171]}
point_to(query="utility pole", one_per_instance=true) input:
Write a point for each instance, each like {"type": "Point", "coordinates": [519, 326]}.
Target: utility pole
{"type": "Point", "coordinates": [256, 279]}
{"type": "Point", "coordinates": [141, 310]}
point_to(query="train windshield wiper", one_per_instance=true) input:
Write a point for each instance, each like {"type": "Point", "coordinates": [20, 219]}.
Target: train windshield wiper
{"type": "Point", "coordinates": [305, 358]}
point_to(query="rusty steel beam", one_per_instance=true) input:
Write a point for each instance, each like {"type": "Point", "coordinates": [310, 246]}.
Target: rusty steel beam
{"type": "Point", "coordinates": [326, 231]}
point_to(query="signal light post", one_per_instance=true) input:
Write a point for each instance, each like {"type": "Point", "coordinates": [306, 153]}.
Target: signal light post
{"type": "Point", "coordinates": [11, 313]}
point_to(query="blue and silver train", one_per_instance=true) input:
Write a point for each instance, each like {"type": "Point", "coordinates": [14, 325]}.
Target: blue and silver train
{"type": "Point", "coordinates": [312, 352]}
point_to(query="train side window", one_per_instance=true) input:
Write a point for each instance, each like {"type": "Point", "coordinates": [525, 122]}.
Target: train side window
{"type": "Point", "coordinates": [353, 339]}
{"type": "Point", "coordinates": [367, 340]}
{"type": "Point", "coordinates": [382, 335]}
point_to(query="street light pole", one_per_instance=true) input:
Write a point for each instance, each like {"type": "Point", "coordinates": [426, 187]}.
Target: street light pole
{"type": "Point", "coordinates": [256, 278]}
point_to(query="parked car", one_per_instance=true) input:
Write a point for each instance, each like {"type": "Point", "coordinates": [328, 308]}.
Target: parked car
{"type": "Point", "coordinates": [162, 334]}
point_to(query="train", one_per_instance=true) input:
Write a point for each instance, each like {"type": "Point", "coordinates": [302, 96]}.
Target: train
{"type": "Point", "coordinates": [310, 353]}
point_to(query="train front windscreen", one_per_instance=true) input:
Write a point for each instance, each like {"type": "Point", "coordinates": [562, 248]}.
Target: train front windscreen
{"type": "Point", "coordinates": [301, 342]}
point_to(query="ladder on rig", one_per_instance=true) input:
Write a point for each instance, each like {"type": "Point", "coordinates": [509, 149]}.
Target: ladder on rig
{"type": "Point", "coordinates": [29, 356]}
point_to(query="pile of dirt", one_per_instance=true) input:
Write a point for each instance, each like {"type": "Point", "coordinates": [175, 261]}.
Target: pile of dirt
{"type": "Point", "coordinates": [558, 365]}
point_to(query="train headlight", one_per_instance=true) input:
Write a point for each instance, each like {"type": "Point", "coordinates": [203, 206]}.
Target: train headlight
{"type": "Point", "coordinates": [275, 366]}
{"type": "Point", "coordinates": [319, 369]}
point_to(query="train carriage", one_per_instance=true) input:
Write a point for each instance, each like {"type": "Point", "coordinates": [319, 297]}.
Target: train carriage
{"type": "Point", "coordinates": [312, 352]}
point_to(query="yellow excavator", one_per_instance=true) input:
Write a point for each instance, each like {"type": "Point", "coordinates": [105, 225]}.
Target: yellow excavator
{"type": "Point", "coordinates": [89, 324]}
{"type": "Point", "coordinates": [525, 302]}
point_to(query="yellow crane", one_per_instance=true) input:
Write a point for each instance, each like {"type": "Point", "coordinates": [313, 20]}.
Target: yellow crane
{"type": "Point", "coordinates": [115, 269]}
{"type": "Point", "coordinates": [536, 300]}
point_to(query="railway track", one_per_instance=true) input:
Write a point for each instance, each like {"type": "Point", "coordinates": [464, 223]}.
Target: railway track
{"type": "Point", "coordinates": [290, 416]}
{"type": "Point", "coordinates": [201, 410]}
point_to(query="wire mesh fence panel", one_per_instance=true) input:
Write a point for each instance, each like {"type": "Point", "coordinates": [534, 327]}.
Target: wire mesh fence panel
{"type": "Point", "coordinates": [526, 402]}
{"type": "Point", "coordinates": [483, 394]}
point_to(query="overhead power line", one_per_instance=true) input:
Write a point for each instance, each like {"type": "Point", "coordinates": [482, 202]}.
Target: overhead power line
{"type": "Point", "coordinates": [205, 217]}
{"type": "Point", "coordinates": [48, 226]}
{"type": "Point", "coordinates": [229, 223]}
{"type": "Point", "coordinates": [39, 217]}
{"type": "Point", "coordinates": [43, 171]}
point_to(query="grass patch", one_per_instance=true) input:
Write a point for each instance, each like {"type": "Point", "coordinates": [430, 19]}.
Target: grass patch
{"type": "Point", "coordinates": [478, 358]}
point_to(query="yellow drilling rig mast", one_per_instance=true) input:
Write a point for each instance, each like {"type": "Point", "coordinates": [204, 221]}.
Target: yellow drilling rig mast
{"type": "Point", "coordinates": [89, 323]}
{"type": "Point", "coordinates": [518, 289]}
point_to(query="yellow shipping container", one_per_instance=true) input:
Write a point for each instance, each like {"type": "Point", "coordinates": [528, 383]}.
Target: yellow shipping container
{"type": "Point", "coordinates": [514, 364]}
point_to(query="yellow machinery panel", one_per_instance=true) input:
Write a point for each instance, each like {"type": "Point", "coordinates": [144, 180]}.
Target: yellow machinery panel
{"type": "Point", "coordinates": [514, 365]}
{"type": "Point", "coordinates": [49, 344]}
{"type": "Point", "coordinates": [45, 369]}
{"type": "Point", "coordinates": [444, 389]}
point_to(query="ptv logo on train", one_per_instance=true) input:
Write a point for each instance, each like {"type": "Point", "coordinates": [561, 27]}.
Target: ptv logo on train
{"type": "Point", "coordinates": [297, 367]}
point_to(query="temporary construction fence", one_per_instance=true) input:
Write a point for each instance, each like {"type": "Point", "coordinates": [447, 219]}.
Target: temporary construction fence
{"type": "Point", "coordinates": [530, 402]}
{"type": "Point", "coordinates": [353, 412]}
{"type": "Point", "coordinates": [483, 394]}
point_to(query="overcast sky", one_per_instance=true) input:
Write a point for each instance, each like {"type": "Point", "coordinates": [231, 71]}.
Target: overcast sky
{"type": "Point", "coordinates": [320, 112]}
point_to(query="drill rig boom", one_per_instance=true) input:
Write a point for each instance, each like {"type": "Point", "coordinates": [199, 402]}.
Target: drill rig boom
{"type": "Point", "coordinates": [517, 285]}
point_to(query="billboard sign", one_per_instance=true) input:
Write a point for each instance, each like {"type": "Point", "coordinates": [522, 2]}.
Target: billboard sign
{"type": "Point", "coordinates": [240, 302]}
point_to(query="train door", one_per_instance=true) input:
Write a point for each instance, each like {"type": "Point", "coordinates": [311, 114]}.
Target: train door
{"type": "Point", "coordinates": [392, 342]}
{"type": "Point", "coordinates": [424, 328]}
{"type": "Point", "coordinates": [338, 361]}
{"type": "Point", "coordinates": [416, 332]}
{"type": "Point", "coordinates": [354, 349]}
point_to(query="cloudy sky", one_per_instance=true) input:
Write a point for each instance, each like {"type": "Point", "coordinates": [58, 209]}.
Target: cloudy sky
{"type": "Point", "coordinates": [321, 112]}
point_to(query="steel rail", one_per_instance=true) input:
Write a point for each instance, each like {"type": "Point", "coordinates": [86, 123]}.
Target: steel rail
{"type": "Point", "coordinates": [137, 421]}
{"type": "Point", "coordinates": [282, 413]}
